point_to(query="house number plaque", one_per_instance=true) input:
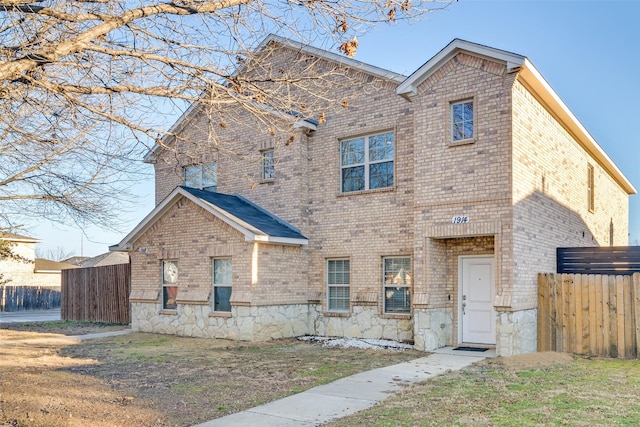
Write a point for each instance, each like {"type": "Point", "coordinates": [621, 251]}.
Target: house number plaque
{"type": "Point", "coordinates": [460, 219]}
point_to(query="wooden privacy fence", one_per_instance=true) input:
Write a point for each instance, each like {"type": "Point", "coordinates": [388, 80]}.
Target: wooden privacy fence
{"type": "Point", "coordinates": [96, 294]}
{"type": "Point", "coordinates": [15, 298]}
{"type": "Point", "coordinates": [591, 314]}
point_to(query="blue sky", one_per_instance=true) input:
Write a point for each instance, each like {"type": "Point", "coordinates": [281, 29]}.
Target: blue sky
{"type": "Point", "coordinates": [588, 51]}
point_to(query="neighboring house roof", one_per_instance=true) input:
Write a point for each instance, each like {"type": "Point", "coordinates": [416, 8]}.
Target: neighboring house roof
{"type": "Point", "coordinates": [18, 238]}
{"type": "Point", "coordinates": [76, 260]}
{"type": "Point", "coordinates": [43, 265]}
{"type": "Point", "coordinates": [256, 223]}
{"type": "Point", "coordinates": [108, 258]}
{"type": "Point", "coordinates": [531, 78]}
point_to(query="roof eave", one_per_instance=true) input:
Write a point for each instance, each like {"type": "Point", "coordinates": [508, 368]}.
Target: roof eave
{"type": "Point", "coordinates": [331, 56]}
{"type": "Point", "coordinates": [176, 128]}
{"type": "Point", "coordinates": [531, 78]}
{"type": "Point", "coordinates": [288, 241]}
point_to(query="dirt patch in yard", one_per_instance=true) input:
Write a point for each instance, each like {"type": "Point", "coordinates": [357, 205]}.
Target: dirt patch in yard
{"type": "Point", "coordinates": [160, 380]}
{"type": "Point", "coordinates": [522, 362]}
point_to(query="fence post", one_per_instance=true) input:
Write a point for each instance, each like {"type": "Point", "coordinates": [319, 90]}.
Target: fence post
{"type": "Point", "coordinates": [544, 321]}
{"type": "Point", "coordinates": [636, 312]}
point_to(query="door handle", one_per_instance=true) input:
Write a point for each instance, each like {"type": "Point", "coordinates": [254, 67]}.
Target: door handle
{"type": "Point", "coordinates": [464, 304]}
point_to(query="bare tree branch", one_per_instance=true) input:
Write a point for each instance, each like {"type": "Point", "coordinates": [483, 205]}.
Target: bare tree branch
{"type": "Point", "coordinates": [88, 87]}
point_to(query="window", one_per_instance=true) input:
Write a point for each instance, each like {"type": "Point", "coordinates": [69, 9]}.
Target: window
{"type": "Point", "coordinates": [367, 162]}
{"type": "Point", "coordinates": [461, 121]}
{"type": "Point", "coordinates": [203, 177]}
{"type": "Point", "coordinates": [338, 284]}
{"type": "Point", "coordinates": [268, 169]}
{"type": "Point", "coordinates": [397, 284]}
{"type": "Point", "coordinates": [590, 189]}
{"type": "Point", "coordinates": [222, 284]}
{"type": "Point", "coordinates": [169, 285]}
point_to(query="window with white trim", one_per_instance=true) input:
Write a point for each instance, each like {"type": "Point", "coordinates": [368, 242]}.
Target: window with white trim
{"type": "Point", "coordinates": [338, 279]}
{"type": "Point", "coordinates": [462, 121]}
{"type": "Point", "coordinates": [268, 166]}
{"type": "Point", "coordinates": [366, 163]}
{"type": "Point", "coordinates": [202, 177]}
{"type": "Point", "coordinates": [222, 284]}
{"type": "Point", "coordinates": [169, 284]}
{"type": "Point", "coordinates": [396, 273]}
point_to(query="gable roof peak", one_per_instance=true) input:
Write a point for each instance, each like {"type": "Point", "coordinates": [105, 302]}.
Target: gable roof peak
{"type": "Point", "coordinates": [409, 87]}
{"type": "Point", "coordinates": [254, 222]}
{"type": "Point", "coordinates": [332, 56]}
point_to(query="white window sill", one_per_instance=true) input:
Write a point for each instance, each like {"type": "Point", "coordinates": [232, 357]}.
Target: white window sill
{"type": "Point", "coordinates": [375, 190]}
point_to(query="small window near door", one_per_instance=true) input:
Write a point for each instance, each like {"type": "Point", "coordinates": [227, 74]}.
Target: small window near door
{"type": "Point", "coordinates": [222, 284]}
{"type": "Point", "coordinates": [397, 285]}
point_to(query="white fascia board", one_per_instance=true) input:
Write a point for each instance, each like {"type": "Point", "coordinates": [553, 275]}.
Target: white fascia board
{"type": "Point", "coordinates": [21, 239]}
{"type": "Point", "coordinates": [305, 124]}
{"type": "Point", "coordinates": [281, 240]}
{"type": "Point", "coordinates": [126, 244]}
{"type": "Point", "coordinates": [409, 87]}
{"type": "Point", "coordinates": [540, 88]}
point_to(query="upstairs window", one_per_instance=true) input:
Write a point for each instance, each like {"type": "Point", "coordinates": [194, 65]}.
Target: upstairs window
{"type": "Point", "coordinates": [591, 200]}
{"type": "Point", "coordinates": [202, 177]}
{"type": "Point", "coordinates": [462, 121]}
{"type": "Point", "coordinates": [268, 167]}
{"type": "Point", "coordinates": [367, 162]}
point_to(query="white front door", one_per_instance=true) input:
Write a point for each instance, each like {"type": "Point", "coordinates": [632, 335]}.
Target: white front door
{"type": "Point", "coordinates": [476, 286]}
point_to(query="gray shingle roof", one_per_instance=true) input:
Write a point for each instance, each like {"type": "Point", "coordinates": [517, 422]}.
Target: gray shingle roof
{"type": "Point", "coordinates": [248, 212]}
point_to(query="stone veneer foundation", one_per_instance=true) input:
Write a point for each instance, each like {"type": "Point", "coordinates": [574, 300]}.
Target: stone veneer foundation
{"type": "Point", "coordinates": [263, 323]}
{"type": "Point", "coordinates": [517, 332]}
{"type": "Point", "coordinates": [433, 328]}
{"type": "Point", "coordinates": [255, 323]}
{"type": "Point", "coordinates": [363, 322]}
{"type": "Point", "coordinates": [428, 328]}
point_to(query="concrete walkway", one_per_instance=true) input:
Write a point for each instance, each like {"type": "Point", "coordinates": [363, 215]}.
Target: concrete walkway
{"type": "Point", "coordinates": [29, 316]}
{"type": "Point", "coordinates": [67, 339]}
{"type": "Point", "coordinates": [349, 395]}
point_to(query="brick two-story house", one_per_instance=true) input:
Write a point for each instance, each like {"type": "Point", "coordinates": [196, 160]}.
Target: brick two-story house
{"type": "Point", "coordinates": [421, 212]}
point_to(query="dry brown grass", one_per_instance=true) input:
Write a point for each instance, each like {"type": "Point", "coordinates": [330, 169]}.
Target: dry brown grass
{"type": "Point", "coordinates": [159, 380]}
